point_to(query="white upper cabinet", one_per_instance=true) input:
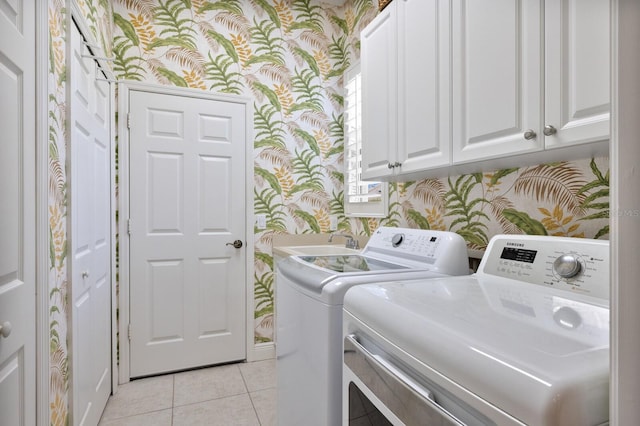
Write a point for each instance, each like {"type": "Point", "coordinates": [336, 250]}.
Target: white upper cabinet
{"type": "Point", "coordinates": [406, 89]}
{"type": "Point", "coordinates": [483, 84]}
{"type": "Point", "coordinates": [528, 76]}
{"type": "Point", "coordinates": [497, 78]}
{"type": "Point", "coordinates": [378, 64]}
{"type": "Point", "coordinates": [577, 52]}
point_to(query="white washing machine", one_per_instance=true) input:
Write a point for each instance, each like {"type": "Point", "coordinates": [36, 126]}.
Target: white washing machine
{"type": "Point", "coordinates": [525, 340]}
{"type": "Point", "coordinates": [310, 292]}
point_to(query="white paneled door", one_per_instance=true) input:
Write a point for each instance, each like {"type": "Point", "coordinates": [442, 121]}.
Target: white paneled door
{"type": "Point", "coordinates": [17, 213]}
{"type": "Point", "coordinates": [90, 238]}
{"type": "Point", "coordinates": [187, 207]}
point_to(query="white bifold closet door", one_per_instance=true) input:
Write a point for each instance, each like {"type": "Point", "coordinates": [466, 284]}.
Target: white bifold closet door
{"type": "Point", "coordinates": [90, 235]}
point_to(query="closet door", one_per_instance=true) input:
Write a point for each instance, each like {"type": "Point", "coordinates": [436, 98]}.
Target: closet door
{"type": "Point", "coordinates": [90, 236]}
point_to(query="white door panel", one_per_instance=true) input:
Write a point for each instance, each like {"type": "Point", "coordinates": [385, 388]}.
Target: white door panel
{"type": "Point", "coordinates": [379, 62]}
{"type": "Point", "coordinates": [17, 214]}
{"type": "Point", "coordinates": [577, 60]}
{"type": "Point", "coordinates": [497, 86]}
{"type": "Point", "coordinates": [424, 138]}
{"type": "Point", "coordinates": [187, 284]}
{"type": "Point", "coordinates": [90, 240]}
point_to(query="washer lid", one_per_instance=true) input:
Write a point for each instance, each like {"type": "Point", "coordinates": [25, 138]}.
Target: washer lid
{"type": "Point", "coordinates": [329, 286]}
{"type": "Point", "coordinates": [538, 354]}
{"type": "Point", "coordinates": [349, 263]}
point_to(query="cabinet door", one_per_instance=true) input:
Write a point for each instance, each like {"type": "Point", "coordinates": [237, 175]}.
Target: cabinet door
{"type": "Point", "coordinates": [497, 78]}
{"type": "Point", "coordinates": [378, 62]}
{"type": "Point", "coordinates": [424, 121]}
{"type": "Point", "coordinates": [577, 71]}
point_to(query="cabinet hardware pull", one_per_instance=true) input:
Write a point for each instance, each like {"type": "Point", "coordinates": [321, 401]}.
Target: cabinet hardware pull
{"type": "Point", "coordinates": [549, 130]}
{"type": "Point", "coordinates": [529, 134]}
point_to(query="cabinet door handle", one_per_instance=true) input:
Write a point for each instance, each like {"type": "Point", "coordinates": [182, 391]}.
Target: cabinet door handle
{"type": "Point", "coordinates": [390, 166]}
{"type": "Point", "coordinates": [397, 164]}
{"type": "Point", "coordinates": [549, 130]}
{"type": "Point", "coordinates": [530, 134]}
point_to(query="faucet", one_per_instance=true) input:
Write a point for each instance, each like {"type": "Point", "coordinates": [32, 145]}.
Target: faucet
{"type": "Point", "coordinates": [351, 242]}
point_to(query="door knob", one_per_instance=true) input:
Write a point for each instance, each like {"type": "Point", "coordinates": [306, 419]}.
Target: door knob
{"type": "Point", "coordinates": [85, 274]}
{"type": "Point", "coordinates": [549, 130]}
{"type": "Point", "coordinates": [236, 244]}
{"type": "Point", "coordinates": [529, 134]}
{"type": "Point", "coordinates": [5, 329]}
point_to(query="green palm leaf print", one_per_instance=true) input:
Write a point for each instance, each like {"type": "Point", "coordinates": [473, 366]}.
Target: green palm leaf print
{"type": "Point", "coordinates": [268, 46]}
{"type": "Point", "coordinates": [270, 10]}
{"type": "Point", "coordinates": [459, 204]}
{"type": "Point", "coordinates": [268, 129]}
{"type": "Point", "coordinates": [598, 200]}
{"type": "Point", "coordinates": [308, 175]}
{"type": "Point", "coordinates": [224, 78]}
{"type": "Point", "coordinates": [168, 15]}
{"type": "Point", "coordinates": [265, 203]}
{"type": "Point", "coordinates": [309, 16]}
{"type": "Point", "coordinates": [232, 6]}
{"type": "Point", "coordinates": [309, 92]}
{"type": "Point", "coordinates": [524, 222]}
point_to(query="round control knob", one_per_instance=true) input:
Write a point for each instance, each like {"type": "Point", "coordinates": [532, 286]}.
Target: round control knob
{"type": "Point", "coordinates": [567, 266]}
{"type": "Point", "coordinates": [397, 239]}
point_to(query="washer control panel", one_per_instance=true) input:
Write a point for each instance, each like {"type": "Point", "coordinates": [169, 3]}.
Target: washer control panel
{"type": "Point", "coordinates": [408, 241]}
{"type": "Point", "coordinates": [578, 265]}
{"type": "Point", "coordinates": [440, 251]}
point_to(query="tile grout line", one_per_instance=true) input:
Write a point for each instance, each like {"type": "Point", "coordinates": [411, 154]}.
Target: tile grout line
{"type": "Point", "coordinates": [173, 397]}
{"type": "Point", "coordinates": [249, 395]}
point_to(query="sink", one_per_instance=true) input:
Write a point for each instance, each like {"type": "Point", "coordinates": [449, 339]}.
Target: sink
{"type": "Point", "coordinates": [315, 250]}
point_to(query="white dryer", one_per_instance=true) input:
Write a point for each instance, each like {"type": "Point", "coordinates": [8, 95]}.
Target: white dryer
{"type": "Point", "coordinates": [525, 340]}
{"type": "Point", "coordinates": [309, 294]}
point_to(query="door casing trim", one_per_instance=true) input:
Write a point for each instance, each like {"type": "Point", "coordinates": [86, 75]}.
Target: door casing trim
{"type": "Point", "coordinates": [43, 337]}
{"type": "Point", "coordinates": [125, 87]}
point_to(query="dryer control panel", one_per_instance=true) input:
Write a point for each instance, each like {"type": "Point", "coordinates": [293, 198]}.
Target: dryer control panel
{"type": "Point", "coordinates": [578, 265]}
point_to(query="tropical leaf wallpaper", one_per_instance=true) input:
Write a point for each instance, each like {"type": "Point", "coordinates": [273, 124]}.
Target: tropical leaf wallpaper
{"type": "Point", "coordinates": [289, 56]}
{"type": "Point", "coordinates": [561, 199]}
{"type": "Point", "coordinates": [58, 284]}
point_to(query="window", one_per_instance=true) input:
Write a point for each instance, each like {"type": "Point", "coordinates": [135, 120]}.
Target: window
{"type": "Point", "coordinates": [361, 198]}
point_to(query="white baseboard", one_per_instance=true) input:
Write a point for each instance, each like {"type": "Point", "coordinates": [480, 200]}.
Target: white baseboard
{"type": "Point", "coordinates": [261, 352]}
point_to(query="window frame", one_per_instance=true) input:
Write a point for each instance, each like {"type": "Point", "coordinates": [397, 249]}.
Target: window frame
{"type": "Point", "coordinates": [353, 141]}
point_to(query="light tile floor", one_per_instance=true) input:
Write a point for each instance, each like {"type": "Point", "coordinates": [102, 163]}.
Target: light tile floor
{"type": "Point", "coordinates": [235, 394]}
